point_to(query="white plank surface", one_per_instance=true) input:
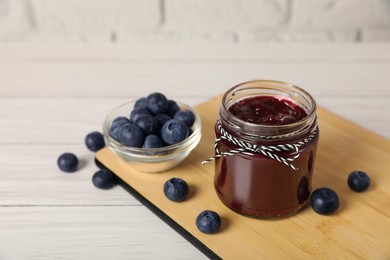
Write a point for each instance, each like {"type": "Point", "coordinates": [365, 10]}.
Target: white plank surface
{"type": "Point", "coordinates": [100, 232]}
{"type": "Point", "coordinates": [51, 96]}
{"type": "Point", "coordinates": [124, 78]}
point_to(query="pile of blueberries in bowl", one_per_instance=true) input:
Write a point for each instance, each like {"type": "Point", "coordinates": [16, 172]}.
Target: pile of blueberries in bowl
{"type": "Point", "coordinates": [152, 133]}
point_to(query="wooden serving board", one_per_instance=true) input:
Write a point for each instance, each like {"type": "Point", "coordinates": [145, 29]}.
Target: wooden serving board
{"type": "Point", "coordinates": [359, 229]}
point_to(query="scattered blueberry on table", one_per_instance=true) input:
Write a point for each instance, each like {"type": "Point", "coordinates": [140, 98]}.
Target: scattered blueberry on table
{"type": "Point", "coordinates": [208, 222]}
{"type": "Point", "coordinates": [103, 179]}
{"type": "Point", "coordinates": [68, 162]}
{"type": "Point", "coordinates": [358, 181]}
{"type": "Point", "coordinates": [176, 189]}
{"type": "Point", "coordinates": [324, 201]}
{"type": "Point", "coordinates": [94, 141]}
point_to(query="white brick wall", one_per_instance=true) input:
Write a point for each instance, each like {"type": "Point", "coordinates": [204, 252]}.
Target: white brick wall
{"type": "Point", "coordinates": [377, 34]}
{"type": "Point", "coordinates": [225, 15]}
{"type": "Point", "coordinates": [340, 13]}
{"type": "Point", "coordinates": [95, 15]}
{"type": "Point", "coordinates": [194, 20]}
{"type": "Point", "coordinates": [15, 17]}
{"type": "Point", "coordinates": [300, 35]}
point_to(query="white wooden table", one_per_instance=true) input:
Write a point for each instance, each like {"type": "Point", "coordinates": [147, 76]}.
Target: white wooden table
{"type": "Point", "coordinates": [51, 96]}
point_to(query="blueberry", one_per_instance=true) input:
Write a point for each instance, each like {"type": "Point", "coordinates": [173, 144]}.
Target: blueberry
{"type": "Point", "coordinates": [208, 222]}
{"type": "Point", "coordinates": [120, 120]}
{"type": "Point", "coordinates": [114, 132]}
{"type": "Point", "coordinates": [94, 141]}
{"type": "Point", "coordinates": [148, 124]}
{"type": "Point", "coordinates": [115, 126]}
{"type": "Point", "coordinates": [137, 113]}
{"type": "Point", "coordinates": [324, 201]}
{"type": "Point", "coordinates": [173, 108]}
{"type": "Point", "coordinates": [174, 131]}
{"type": "Point", "coordinates": [186, 116]}
{"type": "Point", "coordinates": [152, 141]}
{"type": "Point", "coordinates": [358, 181]}
{"type": "Point", "coordinates": [162, 118]}
{"type": "Point", "coordinates": [68, 162]}
{"type": "Point", "coordinates": [175, 189]}
{"type": "Point", "coordinates": [157, 103]}
{"type": "Point", "coordinates": [103, 179]}
{"type": "Point", "coordinates": [131, 135]}
{"type": "Point", "coordinates": [141, 103]}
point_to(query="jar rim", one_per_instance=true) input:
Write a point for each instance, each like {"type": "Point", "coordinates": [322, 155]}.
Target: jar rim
{"type": "Point", "coordinates": [250, 88]}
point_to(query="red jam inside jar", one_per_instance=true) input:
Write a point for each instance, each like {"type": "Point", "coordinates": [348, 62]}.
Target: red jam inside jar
{"type": "Point", "coordinates": [267, 114]}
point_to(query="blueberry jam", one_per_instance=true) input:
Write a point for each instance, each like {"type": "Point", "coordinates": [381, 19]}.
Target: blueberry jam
{"type": "Point", "coordinates": [252, 183]}
{"type": "Point", "coordinates": [268, 110]}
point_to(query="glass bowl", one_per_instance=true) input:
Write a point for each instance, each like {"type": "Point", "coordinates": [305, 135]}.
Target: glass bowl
{"type": "Point", "coordinates": [151, 159]}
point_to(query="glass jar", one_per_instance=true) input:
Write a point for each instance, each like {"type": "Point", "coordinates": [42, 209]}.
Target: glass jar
{"type": "Point", "coordinates": [265, 169]}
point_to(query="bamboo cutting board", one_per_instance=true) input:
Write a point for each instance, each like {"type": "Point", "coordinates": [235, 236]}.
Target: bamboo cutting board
{"type": "Point", "coordinates": [359, 229]}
